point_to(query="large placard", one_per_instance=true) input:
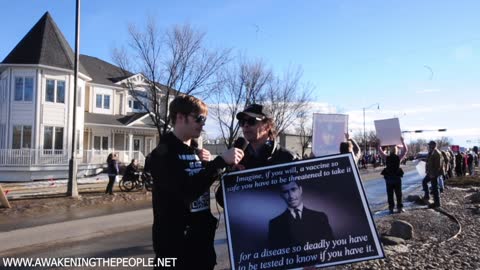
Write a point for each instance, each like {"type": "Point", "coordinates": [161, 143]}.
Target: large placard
{"type": "Point", "coordinates": [332, 226]}
{"type": "Point", "coordinates": [388, 131]}
{"type": "Point", "coordinates": [328, 132]}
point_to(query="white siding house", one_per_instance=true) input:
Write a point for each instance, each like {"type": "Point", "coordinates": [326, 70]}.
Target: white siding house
{"type": "Point", "coordinates": [36, 110]}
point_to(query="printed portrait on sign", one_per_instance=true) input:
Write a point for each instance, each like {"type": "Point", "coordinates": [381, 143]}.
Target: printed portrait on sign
{"type": "Point", "coordinates": [297, 214]}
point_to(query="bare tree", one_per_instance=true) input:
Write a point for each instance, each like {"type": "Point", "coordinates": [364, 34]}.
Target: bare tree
{"type": "Point", "coordinates": [286, 98]}
{"type": "Point", "coordinates": [172, 62]}
{"type": "Point", "coordinates": [305, 130]}
{"type": "Point", "coordinates": [444, 142]}
{"type": "Point", "coordinates": [240, 84]}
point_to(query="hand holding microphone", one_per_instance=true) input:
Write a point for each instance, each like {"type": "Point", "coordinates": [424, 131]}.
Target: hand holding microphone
{"type": "Point", "coordinates": [233, 155]}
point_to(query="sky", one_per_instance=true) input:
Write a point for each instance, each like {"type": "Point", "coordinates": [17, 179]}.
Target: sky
{"type": "Point", "coordinates": [419, 60]}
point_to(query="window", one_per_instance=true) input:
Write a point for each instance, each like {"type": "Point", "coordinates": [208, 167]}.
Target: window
{"type": "Point", "coordinates": [23, 89]}
{"type": "Point", "coordinates": [103, 101]}
{"type": "Point", "coordinates": [135, 104]}
{"type": "Point", "coordinates": [52, 139]}
{"type": "Point", "coordinates": [50, 92]}
{"type": "Point", "coordinates": [22, 137]}
{"type": "Point", "coordinates": [100, 142]}
{"type": "Point", "coordinates": [99, 101]}
{"type": "Point", "coordinates": [55, 91]}
{"type": "Point", "coordinates": [106, 102]}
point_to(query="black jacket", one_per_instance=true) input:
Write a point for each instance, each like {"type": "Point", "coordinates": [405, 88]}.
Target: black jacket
{"type": "Point", "coordinates": [271, 154]}
{"type": "Point", "coordinates": [183, 226]}
{"type": "Point", "coordinates": [284, 231]}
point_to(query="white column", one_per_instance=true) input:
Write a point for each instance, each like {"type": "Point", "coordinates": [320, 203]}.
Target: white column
{"type": "Point", "coordinates": [130, 146]}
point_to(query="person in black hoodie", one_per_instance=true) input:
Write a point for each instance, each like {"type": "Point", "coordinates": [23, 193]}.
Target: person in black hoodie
{"type": "Point", "coordinates": [183, 226]}
{"type": "Point", "coordinates": [262, 150]}
{"type": "Point", "coordinates": [393, 175]}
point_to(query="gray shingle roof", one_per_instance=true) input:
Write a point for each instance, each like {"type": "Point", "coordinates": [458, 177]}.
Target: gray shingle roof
{"type": "Point", "coordinates": [109, 119]}
{"type": "Point", "coordinates": [103, 72]}
{"type": "Point", "coordinates": [44, 44]}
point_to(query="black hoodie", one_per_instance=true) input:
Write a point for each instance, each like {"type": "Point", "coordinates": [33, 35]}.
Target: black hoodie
{"type": "Point", "coordinates": [183, 226]}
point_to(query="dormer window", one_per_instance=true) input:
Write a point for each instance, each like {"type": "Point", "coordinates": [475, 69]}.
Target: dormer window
{"type": "Point", "coordinates": [102, 101]}
{"type": "Point", "coordinates": [135, 104]}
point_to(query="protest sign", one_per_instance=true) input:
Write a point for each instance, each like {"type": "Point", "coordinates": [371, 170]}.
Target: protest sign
{"type": "Point", "coordinates": [388, 131]}
{"type": "Point", "coordinates": [328, 132]}
{"type": "Point", "coordinates": [333, 225]}
{"type": "Point", "coordinates": [455, 148]}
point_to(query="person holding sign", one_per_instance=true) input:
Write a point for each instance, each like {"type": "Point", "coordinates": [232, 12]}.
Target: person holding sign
{"type": "Point", "coordinates": [393, 175]}
{"type": "Point", "coordinates": [262, 149]}
{"type": "Point", "coordinates": [351, 146]}
{"type": "Point", "coordinates": [183, 226]}
{"type": "Point", "coordinates": [298, 224]}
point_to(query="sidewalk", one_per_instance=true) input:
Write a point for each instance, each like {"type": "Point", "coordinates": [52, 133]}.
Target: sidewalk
{"type": "Point", "coordinates": [74, 230]}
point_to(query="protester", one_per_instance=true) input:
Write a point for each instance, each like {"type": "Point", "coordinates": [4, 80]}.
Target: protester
{"type": "Point", "coordinates": [433, 170]}
{"type": "Point", "coordinates": [393, 175]}
{"type": "Point", "coordinates": [262, 150]}
{"type": "Point", "coordinates": [112, 171]}
{"type": "Point", "coordinates": [351, 146]}
{"type": "Point", "coordinates": [451, 166]}
{"type": "Point", "coordinates": [459, 171]}
{"type": "Point", "coordinates": [470, 162]}
{"type": "Point", "coordinates": [445, 165]}
{"type": "Point", "coordinates": [183, 226]}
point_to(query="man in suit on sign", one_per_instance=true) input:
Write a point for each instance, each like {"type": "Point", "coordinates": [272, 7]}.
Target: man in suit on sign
{"type": "Point", "coordinates": [297, 225]}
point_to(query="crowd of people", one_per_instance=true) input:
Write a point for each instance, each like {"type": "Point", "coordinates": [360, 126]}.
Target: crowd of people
{"type": "Point", "coordinates": [183, 225]}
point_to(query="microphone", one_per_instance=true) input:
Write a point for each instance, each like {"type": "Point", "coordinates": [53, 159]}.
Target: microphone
{"type": "Point", "coordinates": [240, 143]}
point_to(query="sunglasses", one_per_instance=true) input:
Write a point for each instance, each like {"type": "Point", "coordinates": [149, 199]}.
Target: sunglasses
{"type": "Point", "coordinates": [250, 121]}
{"type": "Point", "coordinates": [199, 119]}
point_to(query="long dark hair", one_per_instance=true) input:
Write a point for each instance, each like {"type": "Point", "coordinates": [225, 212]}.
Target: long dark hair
{"type": "Point", "coordinates": [109, 158]}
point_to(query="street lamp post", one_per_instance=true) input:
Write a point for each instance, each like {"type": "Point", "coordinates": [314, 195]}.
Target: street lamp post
{"type": "Point", "coordinates": [364, 132]}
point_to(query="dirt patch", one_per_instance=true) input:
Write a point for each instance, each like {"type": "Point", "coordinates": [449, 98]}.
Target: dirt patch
{"type": "Point", "coordinates": [63, 208]}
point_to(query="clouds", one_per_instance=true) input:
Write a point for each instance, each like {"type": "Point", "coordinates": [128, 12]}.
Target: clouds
{"type": "Point", "coordinates": [427, 91]}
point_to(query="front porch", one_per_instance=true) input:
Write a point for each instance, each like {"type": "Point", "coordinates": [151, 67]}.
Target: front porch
{"type": "Point", "coordinates": [36, 164]}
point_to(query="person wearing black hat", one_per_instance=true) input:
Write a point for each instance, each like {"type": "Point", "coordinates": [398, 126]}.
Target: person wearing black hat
{"type": "Point", "coordinates": [434, 170]}
{"type": "Point", "coordinates": [262, 150]}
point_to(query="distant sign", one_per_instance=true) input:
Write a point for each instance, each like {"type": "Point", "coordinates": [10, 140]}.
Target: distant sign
{"type": "Point", "coordinates": [328, 132]}
{"type": "Point", "coordinates": [388, 131]}
{"type": "Point", "coordinates": [265, 230]}
{"type": "Point", "coordinates": [455, 148]}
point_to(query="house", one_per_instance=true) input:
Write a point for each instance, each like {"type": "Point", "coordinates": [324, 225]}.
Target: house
{"type": "Point", "coordinates": [36, 110]}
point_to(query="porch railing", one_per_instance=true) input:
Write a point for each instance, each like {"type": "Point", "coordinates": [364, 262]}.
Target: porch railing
{"type": "Point", "coordinates": [34, 157]}
{"type": "Point", "coordinates": [29, 157]}
{"type": "Point", "coordinates": [100, 156]}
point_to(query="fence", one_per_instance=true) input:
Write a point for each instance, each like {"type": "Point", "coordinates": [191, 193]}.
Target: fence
{"type": "Point", "coordinates": [34, 157]}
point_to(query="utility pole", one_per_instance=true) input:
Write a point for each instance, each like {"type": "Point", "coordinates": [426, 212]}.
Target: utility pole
{"type": "Point", "coordinates": [72, 189]}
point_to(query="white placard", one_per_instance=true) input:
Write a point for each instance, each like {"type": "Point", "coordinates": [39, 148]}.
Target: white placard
{"type": "Point", "coordinates": [328, 132]}
{"type": "Point", "coordinates": [421, 169]}
{"type": "Point", "coordinates": [388, 131]}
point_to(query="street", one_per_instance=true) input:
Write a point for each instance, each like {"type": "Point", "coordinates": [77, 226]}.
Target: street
{"type": "Point", "coordinates": [137, 243]}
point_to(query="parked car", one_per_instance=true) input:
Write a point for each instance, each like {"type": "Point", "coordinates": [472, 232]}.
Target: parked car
{"type": "Point", "coordinates": [421, 156]}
